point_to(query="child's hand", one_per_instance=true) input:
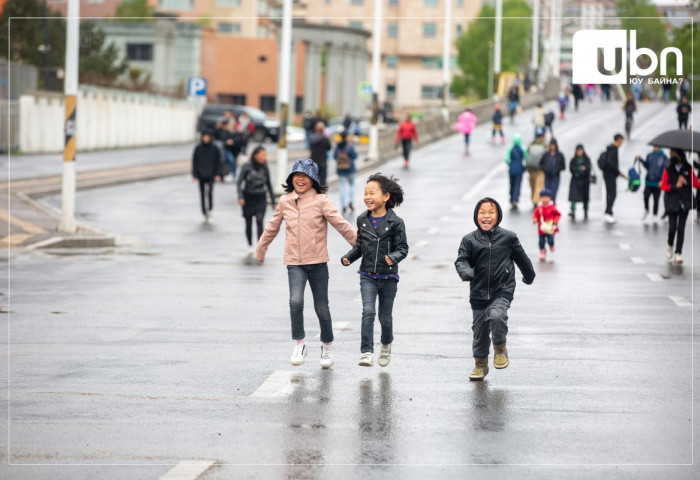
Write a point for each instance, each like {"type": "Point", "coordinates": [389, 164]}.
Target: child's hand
{"type": "Point", "coordinates": [345, 261]}
{"type": "Point", "coordinates": [388, 260]}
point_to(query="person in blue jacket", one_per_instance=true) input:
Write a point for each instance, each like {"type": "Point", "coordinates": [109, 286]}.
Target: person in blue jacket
{"type": "Point", "coordinates": [655, 163]}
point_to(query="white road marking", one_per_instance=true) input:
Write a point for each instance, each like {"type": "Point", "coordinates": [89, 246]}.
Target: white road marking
{"type": "Point", "coordinates": [481, 184]}
{"type": "Point", "coordinates": [188, 470]}
{"type": "Point", "coordinates": [638, 260]}
{"type": "Point", "coordinates": [342, 326]}
{"type": "Point", "coordinates": [625, 246]}
{"type": "Point", "coordinates": [617, 233]}
{"type": "Point", "coordinates": [655, 277]}
{"type": "Point", "coordinates": [681, 301]}
{"type": "Point", "coordinates": [433, 230]}
{"type": "Point", "coordinates": [445, 218]}
{"type": "Point", "coordinates": [422, 243]}
{"type": "Point", "coordinates": [279, 384]}
{"type": "Point", "coordinates": [456, 208]}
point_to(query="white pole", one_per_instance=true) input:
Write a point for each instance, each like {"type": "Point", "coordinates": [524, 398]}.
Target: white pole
{"type": "Point", "coordinates": [497, 41]}
{"type": "Point", "coordinates": [535, 34]}
{"type": "Point", "coordinates": [557, 39]}
{"type": "Point", "coordinates": [373, 153]}
{"type": "Point", "coordinates": [283, 94]}
{"type": "Point", "coordinates": [70, 90]}
{"type": "Point", "coordinates": [552, 33]}
{"type": "Point", "coordinates": [446, 64]}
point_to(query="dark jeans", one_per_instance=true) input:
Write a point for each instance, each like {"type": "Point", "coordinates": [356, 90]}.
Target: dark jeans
{"type": "Point", "coordinates": [370, 289]}
{"type": "Point", "coordinates": [406, 146]}
{"type": "Point", "coordinates": [683, 124]}
{"type": "Point", "coordinates": [206, 191]}
{"type": "Point", "coordinates": [548, 238]}
{"type": "Point", "coordinates": [515, 181]}
{"type": "Point", "coordinates": [231, 160]}
{"type": "Point", "coordinates": [495, 130]}
{"type": "Point", "coordinates": [676, 225]}
{"type": "Point", "coordinates": [493, 319]}
{"type": "Point", "coordinates": [648, 192]}
{"type": "Point", "coordinates": [610, 193]}
{"type": "Point", "coordinates": [249, 226]}
{"type": "Point", "coordinates": [552, 183]}
{"type": "Point", "coordinates": [317, 276]}
{"type": "Point", "coordinates": [322, 174]}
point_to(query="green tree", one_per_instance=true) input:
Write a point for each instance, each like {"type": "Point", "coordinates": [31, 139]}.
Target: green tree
{"type": "Point", "coordinates": [473, 47]}
{"type": "Point", "coordinates": [642, 16]}
{"type": "Point", "coordinates": [134, 11]}
{"type": "Point", "coordinates": [687, 39]}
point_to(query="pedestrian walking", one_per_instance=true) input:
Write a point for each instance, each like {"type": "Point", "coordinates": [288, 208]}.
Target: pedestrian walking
{"type": "Point", "coordinates": [465, 125]}
{"type": "Point", "coordinates": [308, 123]}
{"type": "Point", "coordinates": [345, 156]}
{"type": "Point", "coordinates": [548, 121]}
{"type": "Point", "coordinates": [655, 163]}
{"type": "Point", "coordinates": [580, 186]}
{"type": "Point", "coordinates": [226, 128]}
{"type": "Point", "coordinates": [552, 163]}
{"type": "Point", "coordinates": [578, 95]}
{"type": "Point", "coordinates": [535, 152]}
{"type": "Point", "coordinates": [513, 102]}
{"type": "Point", "coordinates": [320, 149]}
{"type": "Point", "coordinates": [485, 260]}
{"type": "Point", "coordinates": [629, 107]}
{"type": "Point", "coordinates": [538, 120]}
{"type": "Point", "coordinates": [677, 182]}
{"type": "Point", "coordinates": [683, 109]}
{"type": "Point", "coordinates": [515, 159]}
{"type": "Point", "coordinates": [546, 216]}
{"type": "Point", "coordinates": [382, 244]}
{"type": "Point", "coordinates": [609, 163]}
{"type": "Point", "coordinates": [497, 128]}
{"type": "Point", "coordinates": [636, 90]}
{"type": "Point", "coordinates": [563, 100]}
{"type": "Point", "coordinates": [306, 214]}
{"type": "Point", "coordinates": [206, 169]}
{"type": "Point", "coordinates": [666, 88]}
{"type": "Point", "coordinates": [406, 134]}
{"type": "Point", "coordinates": [254, 186]}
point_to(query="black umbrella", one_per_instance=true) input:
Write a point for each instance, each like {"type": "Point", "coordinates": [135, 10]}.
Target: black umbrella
{"type": "Point", "coordinates": [686, 140]}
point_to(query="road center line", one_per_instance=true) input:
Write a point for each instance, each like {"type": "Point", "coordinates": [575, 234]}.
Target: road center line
{"type": "Point", "coordinates": [279, 384]}
{"type": "Point", "coordinates": [625, 246]}
{"type": "Point", "coordinates": [681, 301]}
{"type": "Point", "coordinates": [188, 470]}
{"type": "Point", "coordinates": [422, 243]}
{"type": "Point", "coordinates": [433, 230]}
{"type": "Point", "coordinates": [655, 277]}
{"type": "Point", "coordinates": [479, 186]}
{"type": "Point", "coordinates": [638, 260]}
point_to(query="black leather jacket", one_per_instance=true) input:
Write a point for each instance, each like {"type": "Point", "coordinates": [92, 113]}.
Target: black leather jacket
{"type": "Point", "coordinates": [389, 239]}
{"type": "Point", "coordinates": [485, 259]}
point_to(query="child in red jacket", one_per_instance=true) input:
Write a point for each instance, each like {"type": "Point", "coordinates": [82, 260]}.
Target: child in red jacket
{"type": "Point", "coordinates": [545, 213]}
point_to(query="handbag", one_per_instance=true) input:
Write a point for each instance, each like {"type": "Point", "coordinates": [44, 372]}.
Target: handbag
{"type": "Point", "coordinates": [547, 227]}
{"type": "Point", "coordinates": [594, 178]}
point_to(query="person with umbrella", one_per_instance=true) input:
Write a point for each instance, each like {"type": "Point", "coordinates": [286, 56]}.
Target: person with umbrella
{"type": "Point", "coordinates": [677, 182]}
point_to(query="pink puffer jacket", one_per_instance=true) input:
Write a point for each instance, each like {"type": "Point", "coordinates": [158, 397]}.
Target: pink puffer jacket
{"type": "Point", "coordinates": [465, 123]}
{"type": "Point", "coordinates": [306, 219]}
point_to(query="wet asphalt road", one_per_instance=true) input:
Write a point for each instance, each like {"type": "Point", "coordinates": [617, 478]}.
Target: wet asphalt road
{"type": "Point", "coordinates": [176, 346]}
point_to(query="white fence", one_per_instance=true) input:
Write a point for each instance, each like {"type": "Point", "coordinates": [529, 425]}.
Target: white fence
{"type": "Point", "coordinates": [106, 119]}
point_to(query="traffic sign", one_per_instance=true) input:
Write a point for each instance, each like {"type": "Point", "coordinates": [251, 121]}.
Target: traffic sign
{"type": "Point", "coordinates": [197, 86]}
{"type": "Point", "coordinates": [365, 90]}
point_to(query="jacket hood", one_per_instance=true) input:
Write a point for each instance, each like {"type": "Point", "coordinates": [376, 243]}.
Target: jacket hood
{"type": "Point", "coordinates": [498, 209]}
{"type": "Point", "coordinates": [517, 139]}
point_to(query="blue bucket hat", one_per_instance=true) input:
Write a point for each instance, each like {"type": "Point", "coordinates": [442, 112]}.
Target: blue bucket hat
{"type": "Point", "coordinates": [545, 192]}
{"type": "Point", "coordinates": [306, 166]}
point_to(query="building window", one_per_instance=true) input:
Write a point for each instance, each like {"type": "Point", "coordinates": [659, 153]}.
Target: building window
{"type": "Point", "coordinates": [356, 2]}
{"type": "Point", "coordinates": [392, 61]}
{"type": "Point", "coordinates": [139, 51]}
{"type": "Point", "coordinates": [176, 4]}
{"type": "Point", "coordinates": [393, 3]}
{"type": "Point", "coordinates": [392, 29]}
{"type": "Point", "coordinates": [355, 24]}
{"type": "Point", "coordinates": [229, 28]}
{"type": "Point", "coordinates": [431, 62]}
{"type": "Point", "coordinates": [430, 3]}
{"type": "Point", "coordinates": [228, 3]}
{"type": "Point", "coordinates": [460, 3]}
{"type": "Point", "coordinates": [94, 1]}
{"type": "Point", "coordinates": [391, 92]}
{"type": "Point", "coordinates": [267, 103]}
{"type": "Point", "coordinates": [299, 105]}
{"type": "Point", "coordinates": [429, 30]}
{"type": "Point", "coordinates": [428, 92]}
{"type": "Point", "coordinates": [460, 30]}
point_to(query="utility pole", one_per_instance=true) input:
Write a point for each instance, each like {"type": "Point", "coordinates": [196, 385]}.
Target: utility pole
{"type": "Point", "coordinates": [446, 64]}
{"type": "Point", "coordinates": [535, 35]}
{"type": "Point", "coordinates": [497, 40]}
{"type": "Point", "coordinates": [283, 94]}
{"type": "Point", "coordinates": [373, 153]}
{"type": "Point", "coordinates": [68, 224]}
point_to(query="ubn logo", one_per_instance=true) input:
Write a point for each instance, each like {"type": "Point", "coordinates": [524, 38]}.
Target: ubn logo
{"type": "Point", "coordinates": [588, 43]}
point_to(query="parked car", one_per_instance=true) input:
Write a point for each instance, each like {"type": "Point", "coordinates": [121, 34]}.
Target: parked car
{"type": "Point", "coordinates": [265, 128]}
{"type": "Point", "coordinates": [295, 134]}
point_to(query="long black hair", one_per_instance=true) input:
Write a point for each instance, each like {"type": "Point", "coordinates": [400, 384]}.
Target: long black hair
{"type": "Point", "coordinates": [289, 186]}
{"type": "Point", "coordinates": [389, 185]}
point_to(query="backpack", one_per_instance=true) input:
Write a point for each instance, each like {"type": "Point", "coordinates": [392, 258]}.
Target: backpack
{"type": "Point", "coordinates": [548, 118]}
{"type": "Point", "coordinates": [602, 160]}
{"type": "Point", "coordinates": [633, 179]}
{"type": "Point", "coordinates": [516, 160]}
{"type": "Point", "coordinates": [343, 160]}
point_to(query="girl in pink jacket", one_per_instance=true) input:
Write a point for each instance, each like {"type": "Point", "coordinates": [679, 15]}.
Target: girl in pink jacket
{"type": "Point", "coordinates": [306, 213]}
{"type": "Point", "coordinates": [465, 125]}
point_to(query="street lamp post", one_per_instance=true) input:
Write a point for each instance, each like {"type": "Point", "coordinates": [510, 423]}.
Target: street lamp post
{"type": "Point", "coordinates": [284, 74]}
{"type": "Point", "coordinates": [373, 153]}
{"type": "Point", "coordinates": [535, 35]}
{"type": "Point", "coordinates": [490, 78]}
{"type": "Point", "coordinates": [499, 24]}
{"type": "Point", "coordinates": [446, 61]}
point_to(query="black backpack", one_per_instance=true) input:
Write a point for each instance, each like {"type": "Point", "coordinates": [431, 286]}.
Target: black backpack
{"type": "Point", "coordinates": [602, 160]}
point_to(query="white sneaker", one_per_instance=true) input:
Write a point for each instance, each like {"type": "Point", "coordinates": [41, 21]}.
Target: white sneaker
{"type": "Point", "coordinates": [655, 219]}
{"type": "Point", "coordinates": [609, 218]}
{"type": "Point", "coordinates": [365, 359]}
{"type": "Point", "coordinates": [384, 355]}
{"type": "Point", "coordinates": [299, 354]}
{"type": "Point", "coordinates": [677, 259]}
{"type": "Point", "coordinates": [669, 251]}
{"type": "Point", "coordinates": [647, 219]}
{"type": "Point", "coordinates": [645, 215]}
{"type": "Point", "coordinates": [326, 356]}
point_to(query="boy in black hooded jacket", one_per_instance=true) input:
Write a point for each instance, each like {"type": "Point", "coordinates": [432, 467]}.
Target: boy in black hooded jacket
{"type": "Point", "coordinates": [485, 259]}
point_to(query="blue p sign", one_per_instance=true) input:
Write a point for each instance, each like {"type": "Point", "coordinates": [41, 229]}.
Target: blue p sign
{"type": "Point", "coordinates": [197, 86]}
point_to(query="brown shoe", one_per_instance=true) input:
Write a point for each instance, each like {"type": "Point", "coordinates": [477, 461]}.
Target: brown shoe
{"type": "Point", "coordinates": [481, 369]}
{"type": "Point", "coordinates": [500, 358]}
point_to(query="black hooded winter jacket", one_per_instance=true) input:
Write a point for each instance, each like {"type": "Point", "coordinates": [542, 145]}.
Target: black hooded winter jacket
{"type": "Point", "coordinates": [485, 259]}
{"type": "Point", "coordinates": [389, 239]}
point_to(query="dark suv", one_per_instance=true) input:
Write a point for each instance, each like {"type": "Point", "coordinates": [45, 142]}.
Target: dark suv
{"type": "Point", "coordinates": [265, 128]}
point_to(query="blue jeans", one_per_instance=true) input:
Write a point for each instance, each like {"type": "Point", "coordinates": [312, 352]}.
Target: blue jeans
{"type": "Point", "coordinates": [493, 319]}
{"type": "Point", "coordinates": [370, 289]}
{"type": "Point", "coordinates": [346, 185]}
{"type": "Point", "coordinates": [317, 276]}
{"type": "Point", "coordinates": [515, 180]}
{"type": "Point", "coordinates": [551, 182]}
{"type": "Point", "coordinates": [231, 160]}
{"type": "Point", "coordinates": [548, 238]}
{"type": "Point", "coordinates": [466, 138]}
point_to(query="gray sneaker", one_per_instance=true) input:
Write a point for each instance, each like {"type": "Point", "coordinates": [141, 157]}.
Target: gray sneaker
{"type": "Point", "coordinates": [384, 355]}
{"type": "Point", "coordinates": [299, 354]}
{"type": "Point", "coordinates": [366, 359]}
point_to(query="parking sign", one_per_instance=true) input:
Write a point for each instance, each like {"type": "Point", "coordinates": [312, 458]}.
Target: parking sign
{"type": "Point", "coordinates": [365, 90]}
{"type": "Point", "coordinates": [197, 86]}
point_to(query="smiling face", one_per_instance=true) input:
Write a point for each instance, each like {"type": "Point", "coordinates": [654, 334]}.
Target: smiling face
{"type": "Point", "coordinates": [375, 200]}
{"type": "Point", "coordinates": [487, 216]}
{"type": "Point", "coordinates": [302, 183]}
